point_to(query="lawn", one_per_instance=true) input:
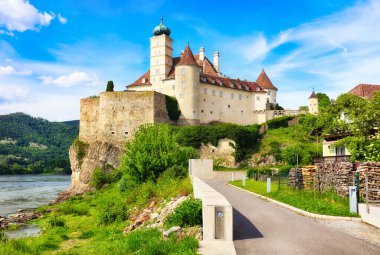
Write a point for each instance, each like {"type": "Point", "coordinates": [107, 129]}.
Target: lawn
{"type": "Point", "coordinates": [93, 224]}
{"type": "Point", "coordinates": [328, 203]}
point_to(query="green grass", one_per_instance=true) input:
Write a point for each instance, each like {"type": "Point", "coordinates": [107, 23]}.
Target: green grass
{"type": "Point", "coordinates": [88, 224]}
{"type": "Point", "coordinates": [328, 203]}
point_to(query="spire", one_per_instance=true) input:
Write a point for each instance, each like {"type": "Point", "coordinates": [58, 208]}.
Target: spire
{"type": "Point", "coordinates": [313, 95]}
{"type": "Point", "coordinates": [161, 29]}
{"type": "Point", "coordinates": [264, 81]}
{"type": "Point", "coordinates": [187, 58]}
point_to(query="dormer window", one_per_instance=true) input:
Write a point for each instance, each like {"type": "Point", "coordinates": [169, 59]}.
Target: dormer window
{"type": "Point", "coordinates": [143, 80]}
{"type": "Point", "coordinates": [220, 83]}
{"type": "Point", "coordinates": [213, 81]}
{"type": "Point", "coordinates": [239, 86]}
{"type": "Point", "coordinates": [232, 85]}
{"type": "Point", "coordinates": [258, 88]}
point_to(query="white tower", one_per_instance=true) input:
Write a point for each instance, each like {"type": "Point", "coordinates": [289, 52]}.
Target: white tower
{"type": "Point", "coordinates": [161, 53]}
{"type": "Point", "coordinates": [313, 103]}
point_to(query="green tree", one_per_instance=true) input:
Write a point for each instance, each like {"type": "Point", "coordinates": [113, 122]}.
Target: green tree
{"type": "Point", "coordinates": [153, 151]}
{"type": "Point", "coordinates": [110, 86]}
{"type": "Point", "coordinates": [303, 108]}
{"type": "Point", "coordinates": [323, 100]}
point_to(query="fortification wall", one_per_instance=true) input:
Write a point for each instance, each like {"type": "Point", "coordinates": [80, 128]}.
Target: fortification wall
{"type": "Point", "coordinates": [89, 114]}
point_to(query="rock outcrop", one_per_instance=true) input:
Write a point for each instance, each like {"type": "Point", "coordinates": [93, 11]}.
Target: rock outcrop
{"type": "Point", "coordinates": [97, 155]}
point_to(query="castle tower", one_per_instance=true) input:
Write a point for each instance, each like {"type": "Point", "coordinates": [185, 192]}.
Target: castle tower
{"type": "Point", "coordinates": [187, 88]}
{"type": "Point", "coordinates": [264, 82]}
{"type": "Point", "coordinates": [313, 103]}
{"type": "Point", "coordinates": [161, 53]}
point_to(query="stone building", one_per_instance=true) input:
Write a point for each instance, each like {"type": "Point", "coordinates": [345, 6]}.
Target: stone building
{"type": "Point", "coordinates": [203, 93]}
{"type": "Point", "coordinates": [313, 103]}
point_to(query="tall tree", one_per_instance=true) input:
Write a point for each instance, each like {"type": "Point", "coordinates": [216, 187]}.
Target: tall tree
{"type": "Point", "coordinates": [110, 86]}
{"type": "Point", "coordinates": [323, 100]}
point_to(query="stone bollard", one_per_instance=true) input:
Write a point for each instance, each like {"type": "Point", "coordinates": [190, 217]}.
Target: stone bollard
{"type": "Point", "coordinates": [243, 181]}
{"type": "Point", "coordinates": [268, 185]}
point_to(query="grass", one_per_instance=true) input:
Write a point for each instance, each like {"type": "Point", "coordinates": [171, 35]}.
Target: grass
{"type": "Point", "coordinates": [328, 203]}
{"type": "Point", "coordinates": [88, 224]}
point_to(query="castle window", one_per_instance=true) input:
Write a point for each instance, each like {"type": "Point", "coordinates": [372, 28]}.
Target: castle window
{"type": "Point", "coordinates": [181, 95]}
{"type": "Point", "coordinates": [232, 85]}
{"type": "Point", "coordinates": [201, 111]}
{"type": "Point", "coordinates": [267, 100]}
{"type": "Point", "coordinates": [211, 112]}
{"type": "Point", "coordinates": [213, 81]}
{"type": "Point", "coordinates": [258, 98]}
{"type": "Point", "coordinates": [258, 88]}
{"type": "Point", "coordinates": [221, 93]}
{"type": "Point", "coordinates": [157, 70]}
{"type": "Point", "coordinates": [183, 71]}
{"type": "Point", "coordinates": [268, 93]}
{"type": "Point", "coordinates": [240, 97]}
{"type": "Point", "coordinates": [126, 132]}
{"type": "Point", "coordinates": [220, 83]}
{"type": "Point", "coordinates": [229, 106]}
{"type": "Point", "coordinates": [232, 96]}
{"type": "Point", "coordinates": [143, 80]}
{"type": "Point", "coordinates": [173, 87]}
{"type": "Point", "coordinates": [247, 97]}
{"type": "Point", "coordinates": [112, 132]}
{"type": "Point", "coordinates": [183, 84]}
{"type": "Point", "coordinates": [205, 91]}
{"type": "Point", "coordinates": [241, 111]}
{"type": "Point", "coordinates": [213, 92]}
{"type": "Point", "coordinates": [239, 86]}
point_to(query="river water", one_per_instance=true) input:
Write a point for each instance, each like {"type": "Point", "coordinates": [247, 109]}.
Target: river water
{"type": "Point", "coordinates": [29, 191]}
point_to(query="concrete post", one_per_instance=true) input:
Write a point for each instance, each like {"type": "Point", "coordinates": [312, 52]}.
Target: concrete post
{"type": "Point", "coordinates": [268, 185]}
{"type": "Point", "coordinates": [243, 181]}
{"type": "Point", "coordinates": [353, 199]}
{"type": "Point", "coordinates": [232, 176]}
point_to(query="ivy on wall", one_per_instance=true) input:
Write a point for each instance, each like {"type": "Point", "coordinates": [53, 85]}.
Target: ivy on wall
{"type": "Point", "coordinates": [172, 108]}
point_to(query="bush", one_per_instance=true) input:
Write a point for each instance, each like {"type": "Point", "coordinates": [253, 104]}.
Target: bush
{"type": "Point", "coordinates": [110, 86]}
{"type": "Point", "coordinates": [74, 209]}
{"type": "Point", "coordinates": [245, 137]}
{"type": "Point", "coordinates": [172, 108]}
{"type": "Point", "coordinates": [99, 178]}
{"type": "Point", "coordinates": [153, 151]}
{"type": "Point", "coordinates": [3, 237]}
{"type": "Point", "coordinates": [279, 122]}
{"type": "Point", "coordinates": [187, 214]}
{"type": "Point", "coordinates": [80, 149]}
{"type": "Point", "coordinates": [111, 210]}
{"type": "Point", "coordinates": [56, 221]}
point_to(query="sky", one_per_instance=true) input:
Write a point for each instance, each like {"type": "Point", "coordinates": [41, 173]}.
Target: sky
{"type": "Point", "coordinates": [53, 53]}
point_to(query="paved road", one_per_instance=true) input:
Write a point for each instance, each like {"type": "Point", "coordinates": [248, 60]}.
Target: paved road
{"type": "Point", "coordinates": [261, 227]}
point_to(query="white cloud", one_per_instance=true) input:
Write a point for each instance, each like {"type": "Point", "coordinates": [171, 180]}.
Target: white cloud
{"type": "Point", "coordinates": [73, 79]}
{"type": "Point", "coordinates": [10, 93]}
{"type": "Point", "coordinates": [20, 15]}
{"type": "Point", "coordinates": [8, 70]}
{"type": "Point", "coordinates": [62, 19]}
{"type": "Point", "coordinates": [4, 70]}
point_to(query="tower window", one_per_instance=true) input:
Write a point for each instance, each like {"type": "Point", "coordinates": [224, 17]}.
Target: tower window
{"type": "Point", "coordinates": [183, 71]}
{"type": "Point", "coordinates": [157, 70]}
{"type": "Point", "coordinates": [183, 84]}
{"type": "Point", "coordinates": [268, 93]}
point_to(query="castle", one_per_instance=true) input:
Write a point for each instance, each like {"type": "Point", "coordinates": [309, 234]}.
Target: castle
{"type": "Point", "coordinates": [203, 93]}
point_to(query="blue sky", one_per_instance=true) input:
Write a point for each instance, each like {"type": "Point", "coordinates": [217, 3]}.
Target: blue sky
{"type": "Point", "coordinates": [52, 53]}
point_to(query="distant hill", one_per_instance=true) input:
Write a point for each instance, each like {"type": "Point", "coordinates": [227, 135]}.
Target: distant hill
{"type": "Point", "coordinates": [35, 145]}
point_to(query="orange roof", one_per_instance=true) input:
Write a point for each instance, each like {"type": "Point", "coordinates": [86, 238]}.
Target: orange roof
{"type": "Point", "coordinates": [187, 58]}
{"type": "Point", "coordinates": [264, 81]}
{"type": "Point", "coordinates": [232, 83]}
{"type": "Point", "coordinates": [365, 90]}
{"type": "Point", "coordinates": [143, 80]}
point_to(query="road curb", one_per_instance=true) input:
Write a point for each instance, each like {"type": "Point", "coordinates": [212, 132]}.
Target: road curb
{"type": "Point", "coordinates": [297, 210]}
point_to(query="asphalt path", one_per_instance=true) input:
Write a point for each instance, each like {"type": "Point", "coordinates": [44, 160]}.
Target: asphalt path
{"type": "Point", "coordinates": [261, 227]}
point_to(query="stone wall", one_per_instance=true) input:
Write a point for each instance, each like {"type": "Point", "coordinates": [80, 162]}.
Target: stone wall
{"type": "Point", "coordinates": [224, 152]}
{"type": "Point", "coordinates": [372, 170]}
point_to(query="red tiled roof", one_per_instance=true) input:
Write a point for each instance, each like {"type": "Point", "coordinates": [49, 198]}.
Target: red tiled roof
{"type": "Point", "coordinates": [187, 58]}
{"type": "Point", "coordinates": [264, 81]}
{"type": "Point", "coordinates": [232, 83]}
{"type": "Point", "coordinates": [365, 90]}
{"type": "Point", "coordinates": [139, 81]}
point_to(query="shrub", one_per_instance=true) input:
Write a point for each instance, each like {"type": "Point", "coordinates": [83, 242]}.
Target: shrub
{"type": "Point", "coordinates": [172, 108]}
{"type": "Point", "coordinates": [74, 209]}
{"type": "Point", "coordinates": [279, 122]}
{"type": "Point", "coordinates": [110, 86]}
{"type": "Point", "coordinates": [153, 151]}
{"type": "Point", "coordinates": [187, 214]}
{"type": "Point", "coordinates": [56, 221]}
{"type": "Point", "coordinates": [3, 237]}
{"type": "Point", "coordinates": [111, 210]}
{"type": "Point", "coordinates": [99, 178]}
{"type": "Point", "coordinates": [80, 149]}
{"type": "Point", "coordinates": [245, 137]}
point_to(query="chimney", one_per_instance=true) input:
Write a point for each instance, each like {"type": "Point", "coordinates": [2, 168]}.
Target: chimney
{"type": "Point", "coordinates": [201, 53]}
{"type": "Point", "coordinates": [216, 61]}
{"type": "Point", "coordinates": [182, 51]}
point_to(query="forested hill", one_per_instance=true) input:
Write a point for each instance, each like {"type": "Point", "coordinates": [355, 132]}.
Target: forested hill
{"type": "Point", "coordinates": [34, 145]}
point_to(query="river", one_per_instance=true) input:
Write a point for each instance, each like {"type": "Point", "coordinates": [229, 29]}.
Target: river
{"type": "Point", "coordinates": [29, 191]}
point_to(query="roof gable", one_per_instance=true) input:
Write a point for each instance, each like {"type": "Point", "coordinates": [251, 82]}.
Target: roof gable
{"type": "Point", "coordinates": [365, 90]}
{"type": "Point", "coordinates": [264, 81]}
